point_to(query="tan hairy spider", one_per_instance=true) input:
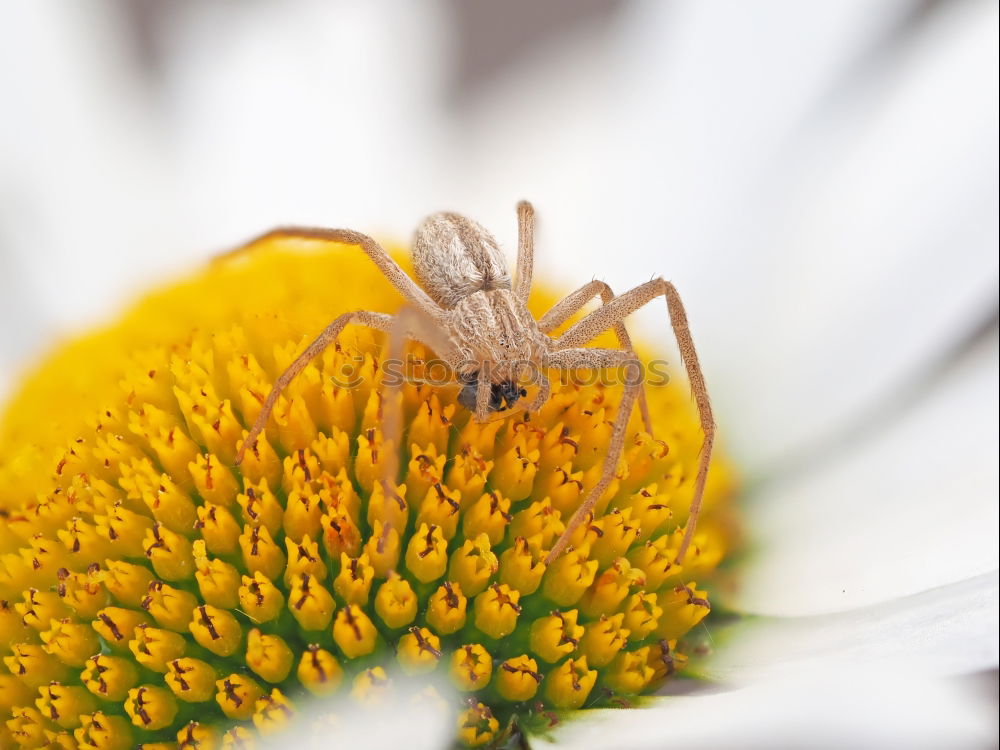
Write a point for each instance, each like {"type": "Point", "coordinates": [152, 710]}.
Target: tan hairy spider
{"type": "Point", "coordinates": [469, 311]}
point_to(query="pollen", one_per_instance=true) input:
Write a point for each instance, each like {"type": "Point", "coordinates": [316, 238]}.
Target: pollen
{"type": "Point", "coordinates": [154, 593]}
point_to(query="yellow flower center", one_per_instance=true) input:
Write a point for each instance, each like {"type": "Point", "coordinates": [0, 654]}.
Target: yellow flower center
{"type": "Point", "coordinates": [152, 591]}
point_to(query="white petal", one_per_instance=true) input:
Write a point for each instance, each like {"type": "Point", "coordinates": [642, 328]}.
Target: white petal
{"type": "Point", "coordinates": [883, 676]}
{"type": "Point", "coordinates": [83, 180]}
{"type": "Point", "coordinates": [326, 115]}
{"type": "Point", "coordinates": [808, 225]}
{"type": "Point", "coordinates": [951, 630]}
{"type": "Point", "coordinates": [846, 706]}
{"type": "Point", "coordinates": [260, 117]}
{"type": "Point", "coordinates": [907, 509]}
{"type": "Point", "coordinates": [892, 255]}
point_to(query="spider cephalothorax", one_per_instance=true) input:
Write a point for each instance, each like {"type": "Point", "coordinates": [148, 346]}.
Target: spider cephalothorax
{"type": "Point", "coordinates": [475, 316]}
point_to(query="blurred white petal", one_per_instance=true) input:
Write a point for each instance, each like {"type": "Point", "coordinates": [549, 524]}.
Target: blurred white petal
{"type": "Point", "coordinates": [909, 508]}
{"type": "Point", "coordinates": [404, 718]}
{"type": "Point", "coordinates": [877, 677]}
{"type": "Point", "coordinates": [83, 184]}
{"type": "Point", "coordinates": [327, 115]}
{"type": "Point", "coordinates": [318, 116]}
{"type": "Point", "coordinates": [807, 224]}
{"type": "Point", "coordinates": [893, 254]}
{"type": "Point", "coordinates": [948, 631]}
{"type": "Point", "coordinates": [840, 705]}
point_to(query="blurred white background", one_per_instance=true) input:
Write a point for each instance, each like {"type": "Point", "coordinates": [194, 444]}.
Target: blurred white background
{"type": "Point", "coordinates": [818, 179]}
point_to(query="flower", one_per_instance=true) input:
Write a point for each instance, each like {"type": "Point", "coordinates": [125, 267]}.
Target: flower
{"type": "Point", "coordinates": [152, 590]}
{"type": "Point", "coordinates": [818, 179]}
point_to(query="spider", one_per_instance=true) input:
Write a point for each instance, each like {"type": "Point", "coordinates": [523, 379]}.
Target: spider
{"type": "Point", "coordinates": [471, 313]}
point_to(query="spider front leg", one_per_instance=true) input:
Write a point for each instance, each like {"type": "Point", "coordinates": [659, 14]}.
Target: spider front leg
{"type": "Point", "coordinates": [484, 390]}
{"type": "Point", "coordinates": [615, 312]}
{"type": "Point", "coordinates": [564, 310]}
{"type": "Point", "coordinates": [597, 359]}
{"type": "Point", "coordinates": [544, 391]}
{"type": "Point", "coordinates": [525, 250]}
{"type": "Point", "coordinates": [375, 320]}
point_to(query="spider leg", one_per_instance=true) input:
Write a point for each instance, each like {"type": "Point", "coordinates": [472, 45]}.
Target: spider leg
{"type": "Point", "coordinates": [525, 250]}
{"type": "Point", "coordinates": [375, 320]}
{"type": "Point", "coordinates": [410, 323]}
{"type": "Point", "coordinates": [544, 391]}
{"type": "Point", "coordinates": [614, 312]}
{"type": "Point", "coordinates": [596, 359]}
{"type": "Point", "coordinates": [389, 268]}
{"type": "Point", "coordinates": [484, 390]}
{"type": "Point", "coordinates": [564, 309]}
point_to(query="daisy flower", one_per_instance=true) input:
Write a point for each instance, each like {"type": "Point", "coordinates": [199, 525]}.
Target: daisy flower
{"type": "Point", "coordinates": [819, 181]}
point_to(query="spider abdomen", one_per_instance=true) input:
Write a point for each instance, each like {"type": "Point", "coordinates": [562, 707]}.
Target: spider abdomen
{"type": "Point", "coordinates": [454, 257]}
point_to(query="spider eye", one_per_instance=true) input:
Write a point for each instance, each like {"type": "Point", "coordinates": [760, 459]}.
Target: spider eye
{"type": "Point", "coordinates": [503, 396]}
{"type": "Point", "coordinates": [511, 393]}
